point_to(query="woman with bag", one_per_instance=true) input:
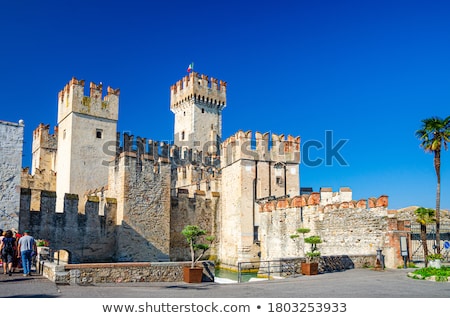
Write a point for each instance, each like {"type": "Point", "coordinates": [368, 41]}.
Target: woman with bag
{"type": "Point", "coordinates": [8, 248]}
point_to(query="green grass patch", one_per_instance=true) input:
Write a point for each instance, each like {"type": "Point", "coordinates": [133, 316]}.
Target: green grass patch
{"type": "Point", "coordinates": [442, 274]}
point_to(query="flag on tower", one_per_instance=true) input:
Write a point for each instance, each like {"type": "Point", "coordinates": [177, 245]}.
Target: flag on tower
{"type": "Point", "coordinates": [190, 67]}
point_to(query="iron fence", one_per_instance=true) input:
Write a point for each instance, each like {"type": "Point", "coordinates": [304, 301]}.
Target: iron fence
{"type": "Point", "coordinates": [417, 246]}
{"type": "Point", "coordinates": [270, 269]}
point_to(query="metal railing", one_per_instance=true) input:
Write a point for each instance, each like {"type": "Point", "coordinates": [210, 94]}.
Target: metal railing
{"type": "Point", "coordinates": [416, 241]}
{"type": "Point", "coordinates": [48, 255]}
{"type": "Point", "coordinates": [270, 269]}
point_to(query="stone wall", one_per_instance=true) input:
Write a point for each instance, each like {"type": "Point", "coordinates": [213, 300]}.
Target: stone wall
{"type": "Point", "coordinates": [192, 210]}
{"type": "Point", "coordinates": [88, 274]}
{"type": "Point", "coordinates": [11, 148]}
{"type": "Point", "coordinates": [87, 236]}
{"type": "Point", "coordinates": [345, 229]}
{"type": "Point", "coordinates": [141, 185]}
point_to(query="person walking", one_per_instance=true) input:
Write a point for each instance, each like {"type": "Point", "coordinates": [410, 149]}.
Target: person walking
{"type": "Point", "coordinates": [8, 246]}
{"type": "Point", "coordinates": [27, 245]}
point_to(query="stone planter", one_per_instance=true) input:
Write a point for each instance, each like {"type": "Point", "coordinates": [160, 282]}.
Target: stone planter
{"type": "Point", "coordinates": [192, 275]}
{"type": "Point", "coordinates": [43, 253]}
{"type": "Point", "coordinates": [310, 268]}
{"type": "Point", "coordinates": [435, 263]}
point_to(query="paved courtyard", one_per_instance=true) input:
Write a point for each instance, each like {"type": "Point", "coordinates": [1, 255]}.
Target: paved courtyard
{"type": "Point", "coordinates": [355, 283]}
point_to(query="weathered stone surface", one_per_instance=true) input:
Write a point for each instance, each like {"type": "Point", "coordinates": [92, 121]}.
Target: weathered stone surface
{"type": "Point", "coordinates": [11, 148]}
{"type": "Point", "coordinates": [94, 273]}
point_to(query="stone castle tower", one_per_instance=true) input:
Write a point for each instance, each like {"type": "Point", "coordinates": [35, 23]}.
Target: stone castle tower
{"type": "Point", "coordinates": [252, 175]}
{"type": "Point", "coordinates": [85, 124]}
{"type": "Point", "coordinates": [197, 102]}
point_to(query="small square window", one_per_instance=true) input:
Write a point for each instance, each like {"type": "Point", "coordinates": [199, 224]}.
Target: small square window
{"type": "Point", "coordinates": [99, 133]}
{"type": "Point", "coordinates": [279, 181]}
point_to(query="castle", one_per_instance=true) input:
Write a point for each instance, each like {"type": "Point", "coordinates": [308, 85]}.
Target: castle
{"type": "Point", "coordinates": [105, 196]}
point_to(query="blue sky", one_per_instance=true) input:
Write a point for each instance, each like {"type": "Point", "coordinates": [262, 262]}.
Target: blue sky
{"type": "Point", "coordinates": [369, 71]}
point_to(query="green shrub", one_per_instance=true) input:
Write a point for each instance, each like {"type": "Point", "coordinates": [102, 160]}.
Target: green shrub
{"type": "Point", "coordinates": [443, 272]}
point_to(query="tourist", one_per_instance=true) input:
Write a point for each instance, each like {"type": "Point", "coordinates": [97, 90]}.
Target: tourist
{"type": "Point", "coordinates": [27, 245]}
{"type": "Point", "coordinates": [17, 263]}
{"type": "Point", "coordinates": [7, 246]}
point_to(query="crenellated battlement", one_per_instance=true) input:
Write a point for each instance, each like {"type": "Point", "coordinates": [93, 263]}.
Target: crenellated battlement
{"type": "Point", "coordinates": [39, 180]}
{"type": "Point", "coordinates": [43, 139]}
{"type": "Point", "coordinates": [320, 201]}
{"type": "Point", "coordinates": [210, 92]}
{"type": "Point", "coordinates": [264, 147]}
{"type": "Point", "coordinates": [129, 146]}
{"type": "Point", "coordinates": [44, 149]}
{"type": "Point", "coordinates": [72, 99]}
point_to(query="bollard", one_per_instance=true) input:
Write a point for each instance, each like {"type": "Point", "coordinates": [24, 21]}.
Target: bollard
{"type": "Point", "coordinates": [380, 258]}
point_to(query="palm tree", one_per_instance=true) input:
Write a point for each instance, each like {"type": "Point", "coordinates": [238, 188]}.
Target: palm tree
{"type": "Point", "coordinates": [435, 134]}
{"type": "Point", "coordinates": [424, 216]}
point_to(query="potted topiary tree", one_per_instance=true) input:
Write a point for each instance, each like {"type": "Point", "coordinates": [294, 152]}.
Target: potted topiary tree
{"type": "Point", "coordinates": [194, 234]}
{"type": "Point", "coordinates": [311, 266]}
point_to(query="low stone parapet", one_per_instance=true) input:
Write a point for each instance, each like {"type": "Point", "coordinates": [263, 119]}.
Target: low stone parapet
{"type": "Point", "coordinates": [95, 273]}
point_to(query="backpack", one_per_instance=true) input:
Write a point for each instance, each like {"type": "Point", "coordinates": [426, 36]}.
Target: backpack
{"type": "Point", "coordinates": [8, 246]}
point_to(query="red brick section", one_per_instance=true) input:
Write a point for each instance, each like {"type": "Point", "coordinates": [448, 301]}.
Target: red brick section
{"type": "Point", "coordinates": [397, 229]}
{"type": "Point", "coordinates": [314, 198]}
{"type": "Point", "coordinates": [282, 204]}
{"type": "Point", "coordinates": [361, 204]}
{"type": "Point", "coordinates": [382, 201]}
{"type": "Point", "coordinates": [344, 205]}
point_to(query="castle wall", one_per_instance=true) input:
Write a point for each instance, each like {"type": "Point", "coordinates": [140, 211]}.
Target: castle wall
{"type": "Point", "coordinates": [253, 171]}
{"type": "Point", "coordinates": [346, 228]}
{"type": "Point", "coordinates": [142, 188]}
{"type": "Point", "coordinates": [193, 209]}
{"type": "Point", "coordinates": [11, 149]}
{"type": "Point", "coordinates": [237, 216]}
{"type": "Point", "coordinates": [87, 236]}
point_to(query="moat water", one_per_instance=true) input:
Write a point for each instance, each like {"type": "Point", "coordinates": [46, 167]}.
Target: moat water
{"type": "Point", "coordinates": [232, 276]}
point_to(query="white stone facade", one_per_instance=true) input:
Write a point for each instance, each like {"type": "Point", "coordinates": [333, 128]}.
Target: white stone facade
{"type": "Point", "coordinates": [85, 125]}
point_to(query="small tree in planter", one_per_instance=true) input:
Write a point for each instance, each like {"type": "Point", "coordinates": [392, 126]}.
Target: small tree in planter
{"type": "Point", "coordinates": [311, 267]}
{"type": "Point", "coordinates": [314, 254]}
{"type": "Point", "coordinates": [194, 234]}
{"type": "Point", "coordinates": [301, 231]}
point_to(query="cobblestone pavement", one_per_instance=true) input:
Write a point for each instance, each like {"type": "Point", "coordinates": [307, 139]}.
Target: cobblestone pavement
{"type": "Point", "coordinates": [355, 283]}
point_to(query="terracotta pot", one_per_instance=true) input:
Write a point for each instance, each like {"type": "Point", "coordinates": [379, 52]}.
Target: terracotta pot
{"type": "Point", "coordinates": [310, 268]}
{"type": "Point", "coordinates": [192, 275]}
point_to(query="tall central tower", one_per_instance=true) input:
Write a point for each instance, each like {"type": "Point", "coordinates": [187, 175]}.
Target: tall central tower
{"type": "Point", "coordinates": [197, 103]}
